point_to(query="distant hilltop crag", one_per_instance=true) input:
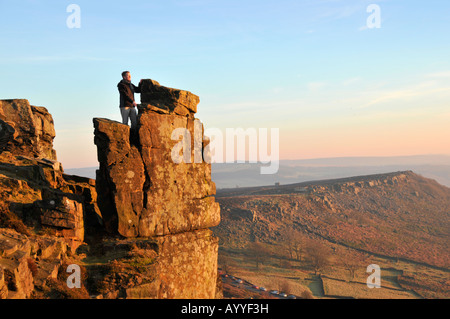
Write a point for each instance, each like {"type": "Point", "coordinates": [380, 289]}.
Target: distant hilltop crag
{"type": "Point", "coordinates": [140, 230]}
{"type": "Point", "coordinates": [397, 215]}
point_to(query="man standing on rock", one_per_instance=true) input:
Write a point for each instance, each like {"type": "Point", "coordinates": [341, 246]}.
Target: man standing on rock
{"type": "Point", "coordinates": [127, 102]}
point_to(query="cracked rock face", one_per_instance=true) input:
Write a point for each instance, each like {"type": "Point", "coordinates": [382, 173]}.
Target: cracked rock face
{"type": "Point", "coordinates": [26, 129]}
{"type": "Point", "coordinates": [120, 179]}
{"type": "Point", "coordinates": [142, 191]}
{"type": "Point", "coordinates": [33, 186]}
{"type": "Point", "coordinates": [175, 101]}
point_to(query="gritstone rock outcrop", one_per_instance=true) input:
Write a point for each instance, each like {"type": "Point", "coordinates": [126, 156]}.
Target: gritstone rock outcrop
{"type": "Point", "coordinates": [141, 230]}
{"type": "Point", "coordinates": [143, 192]}
{"type": "Point", "coordinates": [33, 185]}
{"type": "Point", "coordinates": [42, 210]}
{"type": "Point", "coordinates": [26, 129]}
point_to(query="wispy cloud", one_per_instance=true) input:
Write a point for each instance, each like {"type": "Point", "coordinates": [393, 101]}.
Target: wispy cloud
{"type": "Point", "coordinates": [403, 95]}
{"type": "Point", "coordinates": [351, 81]}
{"type": "Point", "coordinates": [339, 11]}
{"type": "Point", "coordinates": [363, 28]}
{"type": "Point", "coordinates": [51, 58]}
{"type": "Point", "coordinates": [443, 74]}
{"type": "Point", "coordinates": [316, 86]}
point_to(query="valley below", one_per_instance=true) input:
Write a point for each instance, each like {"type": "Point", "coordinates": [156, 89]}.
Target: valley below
{"type": "Point", "coordinates": [316, 239]}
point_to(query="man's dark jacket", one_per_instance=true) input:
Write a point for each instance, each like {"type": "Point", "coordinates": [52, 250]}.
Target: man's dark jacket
{"type": "Point", "coordinates": [127, 90]}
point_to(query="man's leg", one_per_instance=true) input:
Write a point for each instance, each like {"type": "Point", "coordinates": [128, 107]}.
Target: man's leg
{"type": "Point", "coordinates": [133, 118]}
{"type": "Point", "coordinates": [124, 111]}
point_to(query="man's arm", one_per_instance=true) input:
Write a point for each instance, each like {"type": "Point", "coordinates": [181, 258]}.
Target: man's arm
{"type": "Point", "coordinates": [137, 89]}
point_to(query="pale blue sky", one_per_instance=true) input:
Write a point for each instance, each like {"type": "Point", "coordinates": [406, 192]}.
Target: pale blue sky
{"type": "Point", "coordinates": [311, 68]}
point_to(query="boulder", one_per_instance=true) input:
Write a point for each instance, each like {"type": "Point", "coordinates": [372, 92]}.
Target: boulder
{"type": "Point", "coordinates": [31, 127]}
{"type": "Point", "coordinates": [175, 101]}
{"type": "Point", "coordinates": [36, 192]}
{"type": "Point", "coordinates": [50, 248]}
{"type": "Point", "coordinates": [48, 270]}
{"type": "Point", "coordinates": [11, 242]}
{"type": "Point", "coordinates": [63, 212]}
{"type": "Point", "coordinates": [14, 254]}
{"type": "Point", "coordinates": [27, 262]}
{"type": "Point", "coordinates": [18, 277]}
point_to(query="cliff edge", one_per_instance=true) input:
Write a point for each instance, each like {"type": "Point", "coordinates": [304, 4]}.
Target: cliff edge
{"type": "Point", "coordinates": [145, 190]}
{"type": "Point", "coordinates": [140, 230]}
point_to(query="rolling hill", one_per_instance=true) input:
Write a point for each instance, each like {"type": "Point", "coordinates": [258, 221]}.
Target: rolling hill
{"type": "Point", "coordinates": [401, 220]}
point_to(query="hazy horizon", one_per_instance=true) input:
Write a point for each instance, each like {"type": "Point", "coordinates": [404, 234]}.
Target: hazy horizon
{"type": "Point", "coordinates": [230, 175]}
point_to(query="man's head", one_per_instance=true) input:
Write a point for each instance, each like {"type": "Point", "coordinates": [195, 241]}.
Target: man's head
{"type": "Point", "coordinates": [126, 76]}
